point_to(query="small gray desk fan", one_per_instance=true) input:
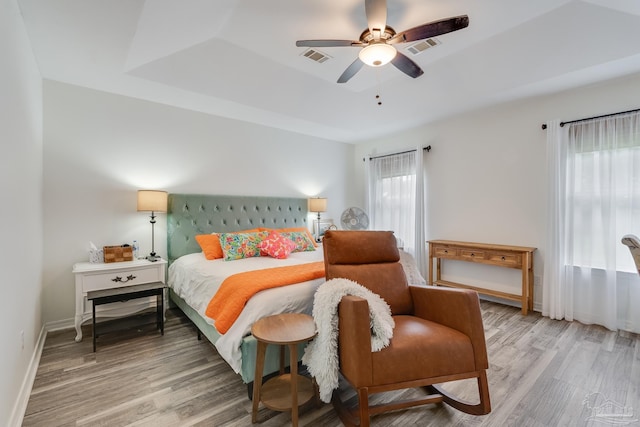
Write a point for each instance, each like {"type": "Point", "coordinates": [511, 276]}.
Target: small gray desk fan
{"type": "Point", "coordinates": [354, 219]}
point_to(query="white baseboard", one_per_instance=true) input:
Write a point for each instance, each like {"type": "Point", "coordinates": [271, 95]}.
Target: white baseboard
{"type": "Point", "coordinates": [17, 415]}
{"type": "Point", "coordinates": [59, 325]}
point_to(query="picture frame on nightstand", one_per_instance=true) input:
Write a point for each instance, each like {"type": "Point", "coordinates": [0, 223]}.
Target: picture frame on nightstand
{"type": "Point", "coordinates": [319, 227]}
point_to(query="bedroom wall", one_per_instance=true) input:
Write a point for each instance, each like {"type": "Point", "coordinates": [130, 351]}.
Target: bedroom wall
{"type": "Point", "coordinates": [487, 173]}
{"type": "Point", "coordinates": [101, 148]}
{"type": "Point", "coordinates": [21, 225]}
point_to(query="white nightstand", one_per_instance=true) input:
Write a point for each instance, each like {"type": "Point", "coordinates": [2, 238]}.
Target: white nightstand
{"type": "Point", "coordinates": [100, 276]}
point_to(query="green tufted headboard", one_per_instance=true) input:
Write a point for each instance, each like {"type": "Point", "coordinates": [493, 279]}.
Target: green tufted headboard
{"type": "Point", "coordinates": [192, 214]}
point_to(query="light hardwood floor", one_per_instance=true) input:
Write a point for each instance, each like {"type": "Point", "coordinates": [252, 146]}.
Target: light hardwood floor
{"type": "Point", "coordinates": [542, 373]}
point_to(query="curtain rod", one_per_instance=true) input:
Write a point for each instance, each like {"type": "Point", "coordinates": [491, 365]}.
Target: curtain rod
{"type": "Point", "coordinates": [428, 148]}
{"type": "Point", "coordinates": [544, 125]}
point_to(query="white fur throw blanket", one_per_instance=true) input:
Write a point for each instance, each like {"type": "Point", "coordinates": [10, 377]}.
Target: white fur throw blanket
{"type": "Point", "coordinates": [321, 355]}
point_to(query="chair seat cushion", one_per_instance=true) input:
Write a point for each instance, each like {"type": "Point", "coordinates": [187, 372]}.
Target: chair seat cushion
{"type": "Point", "coordinates": [421, 349]}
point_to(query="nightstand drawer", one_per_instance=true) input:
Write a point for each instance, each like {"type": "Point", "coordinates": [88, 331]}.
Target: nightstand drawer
{"type": "Point", "coordinates": [116, 279]}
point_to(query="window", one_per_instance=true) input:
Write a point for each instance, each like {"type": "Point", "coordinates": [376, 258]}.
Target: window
{"type": "Point", "coordinates": [396, 200]}
{"type": "Point", "coordinates": [594, 200]}
{"type": "Point", "coordinates": [604, 192]}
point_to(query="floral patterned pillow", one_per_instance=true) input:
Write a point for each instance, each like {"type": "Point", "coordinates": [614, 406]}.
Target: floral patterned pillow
{"type": "Point", "coordinates": [241, 245]}
{"type": "Point", "coordinates": [276, 246]}
{"type": "Point", "coordinates": [301, 229]}
{"type": "Point", "coordinates": [301, 239]}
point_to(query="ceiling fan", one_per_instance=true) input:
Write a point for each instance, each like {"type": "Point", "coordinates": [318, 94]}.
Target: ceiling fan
{"type": "Point", "coordinates": [377, 41]}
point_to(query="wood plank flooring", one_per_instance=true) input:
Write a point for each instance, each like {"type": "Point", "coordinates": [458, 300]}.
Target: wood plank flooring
{"type": "Point", "coordinates": [542, 373]}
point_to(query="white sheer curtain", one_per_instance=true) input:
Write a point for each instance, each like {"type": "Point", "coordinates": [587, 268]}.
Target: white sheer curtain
{"type": "Point", "coordinates": [594, 200]}
{"type": "Point", "coordinates": [557, 294]}
{"type": "Point", "coordinates": [396, 200]}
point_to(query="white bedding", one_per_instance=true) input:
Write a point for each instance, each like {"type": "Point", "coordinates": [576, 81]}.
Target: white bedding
{"type": "Point", "coordinates": [196, 279]}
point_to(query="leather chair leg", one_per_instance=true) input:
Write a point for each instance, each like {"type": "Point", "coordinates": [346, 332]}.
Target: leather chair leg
{"type": "Point", "coordinates": [363, 406]}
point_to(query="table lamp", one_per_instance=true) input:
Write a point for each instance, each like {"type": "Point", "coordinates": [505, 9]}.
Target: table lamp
{"type": "Point", "coordinates": [318, 204]}
{"type": "Point", "coordinates": [152, 201]}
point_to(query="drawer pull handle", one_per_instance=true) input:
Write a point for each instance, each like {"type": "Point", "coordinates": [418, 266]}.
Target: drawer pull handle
{"type": "Point", "coordinates": [446, 251]}
{"type": "Point", "coordinates": [119, 279]}
{"type": "Point", "coordinates": [472, 254]}
{"type": "Point", "coordinates": [503, 258]}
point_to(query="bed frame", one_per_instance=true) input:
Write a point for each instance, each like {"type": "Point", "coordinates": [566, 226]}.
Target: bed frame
{"type": "Point", "coordinates": [191, 214]}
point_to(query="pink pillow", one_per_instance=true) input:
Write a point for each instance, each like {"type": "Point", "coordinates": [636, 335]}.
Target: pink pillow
{"type": "Point", "coordinates": [276, 246]}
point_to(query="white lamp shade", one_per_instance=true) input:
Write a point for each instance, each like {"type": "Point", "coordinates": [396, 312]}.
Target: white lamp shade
{"type": "Point", "coordinates": [152, 200]}
{"type": "Point", "coordinates": [318, 204]}
{"type": "Point", "coordinates": [377, 54]}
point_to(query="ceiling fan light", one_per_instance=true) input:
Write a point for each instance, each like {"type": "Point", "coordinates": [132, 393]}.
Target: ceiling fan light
{"type": "Point", "coordinates": [377, 54]}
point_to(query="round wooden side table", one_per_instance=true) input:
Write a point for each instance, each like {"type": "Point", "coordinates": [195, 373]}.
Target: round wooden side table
{"type": "Point", "coordinates": [282, 393]}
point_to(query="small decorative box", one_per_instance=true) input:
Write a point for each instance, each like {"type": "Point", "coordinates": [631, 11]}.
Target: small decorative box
{"type": "Point", "coordinates": [96, 256]}
{"type": "Point", "coordinates": [118, 253]}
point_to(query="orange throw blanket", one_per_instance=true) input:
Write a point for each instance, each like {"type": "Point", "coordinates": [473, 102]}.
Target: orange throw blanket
{"type": "Point", "coordinates": [234, 292]}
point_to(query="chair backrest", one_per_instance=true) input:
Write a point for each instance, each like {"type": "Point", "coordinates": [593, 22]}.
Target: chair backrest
{"type": "Point", "coordinates": [370, 258]}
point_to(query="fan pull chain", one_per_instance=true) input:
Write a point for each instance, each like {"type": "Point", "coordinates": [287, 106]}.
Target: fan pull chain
{"type": "Point", "coordinates": [378, 98]}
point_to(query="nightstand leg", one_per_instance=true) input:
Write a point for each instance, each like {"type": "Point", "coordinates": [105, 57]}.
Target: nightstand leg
{"type": "Point", "coordinates": [80, 299]}
{"type": "Point", "coordinates": [78, 324]}
{"type": "Point", "coordinates": [293, 362]}
{"type": "Point", "coordinates": [257, 379]}
{"type": "Point", "coordinates": [159, 312]}
{"type": "Point", "coordinates": [282, 350]}
{"type": "Point", "coordinates": [94, 325]}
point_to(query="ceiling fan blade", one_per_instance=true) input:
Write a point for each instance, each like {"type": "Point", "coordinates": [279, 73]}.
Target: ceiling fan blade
{"type": "Point", "coordinates": [327, 43]}
{"type": "Point", "coordinates": [351, 70]}
{"type": "Point", "coordinates": [432, 29]}
{"type": "Point", "coordinates": [376, 11]}
{"type": "Point", "coordinates": [406, 65]}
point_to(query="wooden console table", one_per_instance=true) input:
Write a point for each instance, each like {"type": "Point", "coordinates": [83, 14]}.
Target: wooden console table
{"type": "Point", "coordinates": [520, 257]}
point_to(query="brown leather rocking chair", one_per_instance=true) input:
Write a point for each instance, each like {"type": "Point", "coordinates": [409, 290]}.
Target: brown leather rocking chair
{"type": "Point", "coordinates": [438, 335]}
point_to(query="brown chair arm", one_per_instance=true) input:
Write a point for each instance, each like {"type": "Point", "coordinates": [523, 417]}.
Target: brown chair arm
{"type": "Point", "coordinates": [456, 308]}
{"type": "Point", "coordinates": [354, 340]}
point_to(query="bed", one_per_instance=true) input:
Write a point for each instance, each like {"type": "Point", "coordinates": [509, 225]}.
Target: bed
{"type": "Point", "coordinates": [189, 215]}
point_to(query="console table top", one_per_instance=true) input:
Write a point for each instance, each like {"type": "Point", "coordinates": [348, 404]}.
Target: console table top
{"type": "Point", "coordinates": [483, 245]}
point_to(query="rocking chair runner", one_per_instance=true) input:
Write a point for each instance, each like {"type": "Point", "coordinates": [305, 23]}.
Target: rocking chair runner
{"type": "Point", "coordinates": [438, 337]}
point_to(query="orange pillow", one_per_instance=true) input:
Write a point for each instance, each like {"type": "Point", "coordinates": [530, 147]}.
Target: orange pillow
{"type": "Point", "coordinates": [300, 230]}
{"type": "Point", "coordinates": [210, 245]}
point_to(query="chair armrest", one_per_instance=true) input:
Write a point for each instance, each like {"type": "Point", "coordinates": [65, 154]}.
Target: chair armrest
{"type": "Point", "coordinates": [456, 308]}
{"type": "Point", "coordinates": [354, 340]}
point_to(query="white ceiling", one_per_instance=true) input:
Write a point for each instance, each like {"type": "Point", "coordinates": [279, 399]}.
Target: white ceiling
{"type": "Point", "coordinates": [238, 58]}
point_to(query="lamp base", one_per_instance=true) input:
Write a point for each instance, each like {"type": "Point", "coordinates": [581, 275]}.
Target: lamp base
{"type": "Point", "coordinates": [318, 238]}
{"type": "Point", "coordinates": [152, 258]}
